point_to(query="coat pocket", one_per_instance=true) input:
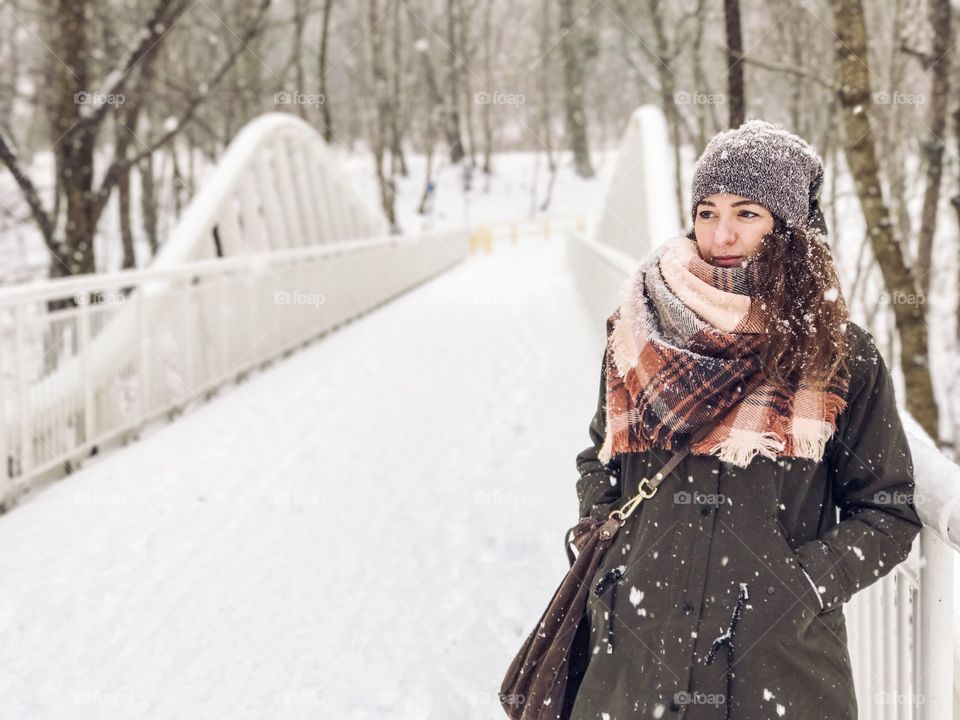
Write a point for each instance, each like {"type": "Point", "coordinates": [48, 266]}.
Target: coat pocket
{"type": "Point", "coordinates": [803, 584]}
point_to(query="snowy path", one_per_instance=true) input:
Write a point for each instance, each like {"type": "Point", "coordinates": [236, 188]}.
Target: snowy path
{"type": "Point", "coordinates": [339, 537]}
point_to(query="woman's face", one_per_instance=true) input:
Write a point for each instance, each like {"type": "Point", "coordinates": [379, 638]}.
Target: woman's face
{"type": "Point", "coordinates": [730, 228]}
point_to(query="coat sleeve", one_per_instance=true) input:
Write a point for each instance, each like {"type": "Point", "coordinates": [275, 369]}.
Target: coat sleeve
{"type": "Point", "coordinates": [599, 485]}
{"type": "Point", "coordinates": [871, 473]}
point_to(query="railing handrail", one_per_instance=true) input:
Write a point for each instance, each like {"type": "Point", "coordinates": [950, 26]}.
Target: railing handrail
{"type": "Point", "coordinates": [43, 290]}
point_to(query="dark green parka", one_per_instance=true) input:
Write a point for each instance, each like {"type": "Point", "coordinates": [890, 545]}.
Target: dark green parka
{"type": "Point", "coordinates": [702, 609]}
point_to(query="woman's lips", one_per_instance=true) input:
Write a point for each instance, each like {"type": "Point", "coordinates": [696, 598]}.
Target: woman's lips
{"type": "Point", "coordinates": [728, 261]}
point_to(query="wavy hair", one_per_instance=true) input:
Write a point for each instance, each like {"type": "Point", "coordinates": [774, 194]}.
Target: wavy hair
{"type": "Point", "coordinates": [795, 284]}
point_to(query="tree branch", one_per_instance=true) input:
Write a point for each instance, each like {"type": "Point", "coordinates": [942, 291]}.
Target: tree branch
{"type": "Point", "coordinates": [29, 190]}
{"type": "Point", "coordinates": [790, 69]}
{"type": "Point", "coordinates": [121, 163]}
{"type": "Point", "coordinates": [164, 14]}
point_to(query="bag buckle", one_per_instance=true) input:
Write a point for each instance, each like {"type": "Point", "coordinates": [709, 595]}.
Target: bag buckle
{"type": "Point", "coordinates": [646, 490]}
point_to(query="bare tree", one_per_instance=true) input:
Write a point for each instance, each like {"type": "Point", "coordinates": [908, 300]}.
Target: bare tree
{"type": "Point", "coordinates": [546, 131]}
{"type": "Point", "coordinates": [79, 109]}
{"type": "Point", "coordinates": [939, 63]}
{"type": "Point", "coordinates": [452, 115]}
{"type": "Point", "coordinates": [854, 95]}
{"type": "Point", "coordinates": [396, 97]}
{"type": "Point", "coordinates": [731, 17]}
{"type": "Point", "coordinates": [486, 110]}
{"type": "Point", "coordinates": [573, 52]}
{"type": "Point", "coordinates": [381, 125]}
{"type": "Point", "coordinates": [322, 70]}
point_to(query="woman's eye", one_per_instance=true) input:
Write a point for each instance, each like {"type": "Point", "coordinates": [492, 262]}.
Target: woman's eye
{"type": "Point", "coordinates": [705, 214]}
{"type": "Point", "coordinates": [749, 214]}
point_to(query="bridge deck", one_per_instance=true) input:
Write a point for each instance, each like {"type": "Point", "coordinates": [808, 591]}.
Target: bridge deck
{"type": "Point", "coordinates": [332, 538]}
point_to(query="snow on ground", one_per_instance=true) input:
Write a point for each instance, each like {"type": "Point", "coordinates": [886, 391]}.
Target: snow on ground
{"type": "Point", "coordinates": [368, 529]}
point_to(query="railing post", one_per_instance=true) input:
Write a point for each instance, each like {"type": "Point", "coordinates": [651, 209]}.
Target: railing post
{"type": "Point", "coordinates": [83, 322]}
{"type": "Point", "coordinates": [142, 359]}
{"type": "Point", "coordinates": [936, 628]}
{"type": "Point", "coordinates": [6, 472]}
{"type": "Point", "coordinates": [26, 419]}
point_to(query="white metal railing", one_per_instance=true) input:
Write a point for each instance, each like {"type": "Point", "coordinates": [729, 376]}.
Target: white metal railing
{"type": "Point", "coordinates": [276, 249]}
{"type": "Point", "coordinates": [900, 629]}
{"type": "Point", "coordinates": [140, 344]}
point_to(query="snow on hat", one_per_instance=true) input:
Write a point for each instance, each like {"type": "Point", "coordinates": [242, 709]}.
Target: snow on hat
{"type": "Point", "coordinates": [768, 164]}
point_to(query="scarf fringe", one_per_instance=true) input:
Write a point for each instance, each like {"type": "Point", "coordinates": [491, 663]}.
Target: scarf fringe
{"type": "Point", "coordinates": [808, 437]}
{"type": "Point", "coordinates": [739, 447]}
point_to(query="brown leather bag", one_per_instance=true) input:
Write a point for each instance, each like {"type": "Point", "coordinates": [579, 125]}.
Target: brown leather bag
{"type": "Point", "coordinates": [536, 684]}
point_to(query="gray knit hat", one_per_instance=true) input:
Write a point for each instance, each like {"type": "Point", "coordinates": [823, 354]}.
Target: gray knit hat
{"type": "Point", "coordinates": [768, 164]}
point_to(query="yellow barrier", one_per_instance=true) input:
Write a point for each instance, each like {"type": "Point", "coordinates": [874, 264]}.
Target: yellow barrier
{"type": "Point", "coordinates": [482, 237]}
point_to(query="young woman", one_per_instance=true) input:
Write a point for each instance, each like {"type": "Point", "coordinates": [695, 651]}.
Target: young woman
{"type": "Point", "coordinates": [722, 595]}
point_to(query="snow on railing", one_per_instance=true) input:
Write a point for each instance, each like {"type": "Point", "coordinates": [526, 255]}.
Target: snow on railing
{"type": "Point", "coordinates": [640, 205]}
{"type": "Point", "coordinates": [900, 629]}
{"type": "Point", "coordinates": [275, 250]}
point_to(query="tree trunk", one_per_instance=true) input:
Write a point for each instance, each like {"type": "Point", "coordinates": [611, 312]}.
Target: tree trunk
{"type": "Point", "coordinates": [126, 229]}
{"type": "Point", "coordinates": [854, 96]}
{"type": "Point", "coordinates": [488, 78]}
{"type": "Point", "coordinates": [454, 140]}
{"type": "Point", "coordinates": [148, 204]}
{"type": "Point", "coordinates": [383, 110]}
{"type": "Point", "coordinates": [731, 17]}
{"type": "Point", "coordinates": [571, 50]}
{"type": "Point", "coordinates": [325, 105]}
{"type": "Point", "coordinates": [933, 147]}
{"type": "Point", "coordinates": [546, 40]}
{"type": "Point", "coordinates": [75, 149]}
{"type": "Point", "coordinates": [707, 121]}
{"type": "Point", "coordinates": [666, 79]}
{"type": "Point", "coordinates": [397, 159]}
{"type": "Point", "coordinates": [465, 22]}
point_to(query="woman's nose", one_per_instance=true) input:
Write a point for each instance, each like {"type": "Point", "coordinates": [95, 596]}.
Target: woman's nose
{"type": "Point", "coordinates": [724, 234]}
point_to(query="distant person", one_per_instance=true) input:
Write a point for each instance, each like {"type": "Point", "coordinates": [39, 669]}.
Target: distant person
{"type": "Point", "coordinates": [721, 596]}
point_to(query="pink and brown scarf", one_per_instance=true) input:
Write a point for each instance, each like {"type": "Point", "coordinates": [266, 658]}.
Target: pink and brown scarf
{"type": "Point", "coordinates": [683, 349]}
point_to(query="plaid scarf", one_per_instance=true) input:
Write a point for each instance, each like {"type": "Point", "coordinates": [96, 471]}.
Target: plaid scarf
{"type": "Point", "coordinates": [683, 349]}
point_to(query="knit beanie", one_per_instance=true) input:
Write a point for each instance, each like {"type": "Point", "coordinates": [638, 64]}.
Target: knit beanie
{"type": "Point", "coordinates": [768, 164]}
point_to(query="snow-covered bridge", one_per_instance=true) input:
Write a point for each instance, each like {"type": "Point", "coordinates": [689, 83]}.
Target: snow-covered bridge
{"type": "Point", "coordinates": [332, 536]}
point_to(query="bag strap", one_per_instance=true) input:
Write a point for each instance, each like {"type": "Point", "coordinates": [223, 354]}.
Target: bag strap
{"type": "Point", "coordinates": [653, 483]}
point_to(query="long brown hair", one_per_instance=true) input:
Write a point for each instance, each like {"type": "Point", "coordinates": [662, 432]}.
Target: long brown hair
{"type": "Point", "coordinates": [797, 288]}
